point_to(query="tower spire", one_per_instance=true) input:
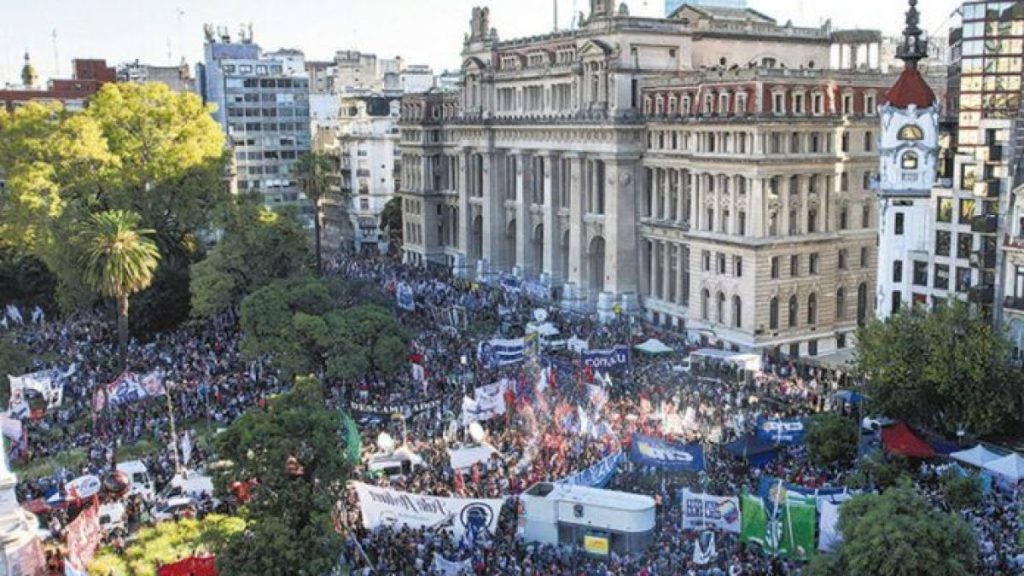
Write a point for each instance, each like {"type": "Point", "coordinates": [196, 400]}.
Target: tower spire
{"type": "Point", "coordinates": [914, 48]}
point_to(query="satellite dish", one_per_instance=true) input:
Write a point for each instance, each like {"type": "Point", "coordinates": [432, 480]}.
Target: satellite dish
{"type": "Point", "coordinates": [476, 432]}
{"type": "Point", "coordinates": [385, 442]}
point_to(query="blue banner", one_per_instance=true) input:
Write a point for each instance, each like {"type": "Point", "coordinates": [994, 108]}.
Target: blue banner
{"type": "Point", "coordinates": [605, 360]}
{"type": "Point", "coordinates": [649, 451]}
{"type": "Point", "coordinates": [598, 475]}
{"type": "Point", "coordinates": [499, 352]}
{"type": "Point", "coordinates": [404, 297]}
{"type": "Point", "coordinates": [778, 431]}
{"type": "Point", "coordinates": [772, 491]}
{"type": "Point", "coordinates": [510, 283]}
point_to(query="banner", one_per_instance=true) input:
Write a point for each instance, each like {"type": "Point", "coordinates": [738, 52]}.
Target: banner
{"type": "Point", "coordinates": [464, 458]}
{"type": "Point", "coordinates": [499, 352]}
{"type": "Point", "coordinates": [48, 383]}
{"type": "Point", "coordinates": [448, 568]}
{"type": "Point", "coordinates": [490, 400]}
{"type": "Point", "coordinates": [778, 431]}
{"type": "Point", "coordinates": [829, 536]}
{"type": "Point", "coordinates": [649, 451]}
{"type": "Point", "coordinates": [83, 536]}
{"type": "Point", "coordinates": [404, 297]}
{"type": "Point", "coordinates": [407, 410]}
{"type": "Point", "coordinates": [771, 490]}
{"type": "Point", "coordinates": [384, 507]}
{"type": "Point", "coordinates": [537, 291]}
{"type": "Point", "coordinates": [353, 441]}
{"type": "Point", "coordinates": [598, 475]}
{"type": "Point", "coordinates": [703, 511]}
{"type": "Point", "coordinates": [615, 359]}
{"type": "Point", "coordinates": [704, 549]}
{"type": "Point", "coordinates": [130, 387]}
{"type": "Point", "coordinates": [11, 427]}
{"type": "Point", "coordinates": [194, 566]}
{"type": "Point", "coordinates": [784, 527]}
{"type": "Point", "coordinates": [510, 283]}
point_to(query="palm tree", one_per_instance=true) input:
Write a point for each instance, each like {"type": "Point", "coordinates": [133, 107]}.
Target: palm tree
{"type": "Point", "coordinates": [119, 260]}
{"type": "Point", "coordinates": [314, 171]}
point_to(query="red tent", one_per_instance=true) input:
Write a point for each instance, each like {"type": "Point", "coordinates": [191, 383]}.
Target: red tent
{"type": "Point", "coordinates": [900, 439]}
{"type": "Point", "coordinates": [206, 566]}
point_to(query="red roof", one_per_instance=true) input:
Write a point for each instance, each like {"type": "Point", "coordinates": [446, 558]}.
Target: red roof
{"type": "Point", "coordinates": [909, 89]}
{"type": "Point", "coordinates": [900, 439]}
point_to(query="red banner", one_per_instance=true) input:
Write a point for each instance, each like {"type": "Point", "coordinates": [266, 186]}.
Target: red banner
{"type": "Point", "coordinates": [205, 566]}
{"type": "Point", "coordinates": [83, 538]}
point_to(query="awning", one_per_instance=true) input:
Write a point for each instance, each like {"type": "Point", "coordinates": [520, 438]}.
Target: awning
{"type": "Point", "coordinates": [900, 439]}
{"type": "Point", "coordinates": [977, 456]}
{"type": "Point", "coordinates": [1010, 467]}
{"type": "Point", "coordinates": [653, 347]}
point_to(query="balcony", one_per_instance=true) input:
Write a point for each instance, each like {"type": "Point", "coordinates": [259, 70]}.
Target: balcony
{"type": "Point", "coordinates": [985, 224]}
{"type": "Point", "coordinates": [1014, 303]}
{"type": "Point", "coordinates": [983, 294]}
{"type": "Point", "coordinates": [983, 260]}
{"type": "Point", "coordinates": [989, 188]}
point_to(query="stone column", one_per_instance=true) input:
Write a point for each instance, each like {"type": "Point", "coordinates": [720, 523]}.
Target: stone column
{"type": "Point", "coordinates": [552, 236]}
{"type": "Point", "coordinates": [666, 271]}
{"type": "Point", "coordinates": [680, 267]}
{"type": "Point", "coordinates": [465, 216]}
{"type": "Point", "coordinates": [493, 211]}
{"type": "Point", "coordinates": [576, 208]}
{"type": "Point", "coordinates": [524, 227]}
{"type": "Point", "coordinates": [620, 226]}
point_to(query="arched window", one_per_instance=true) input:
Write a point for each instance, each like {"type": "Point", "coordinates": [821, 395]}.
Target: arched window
{"type": "Point", "coordinates": [773, 314]}
{"type": "Point", "coordinates": [909, 161]}
{"type": "Point", "coordinates": [841, 304]}
{"type": "Point", "coordinates": [737, 312]}
{"type": "Point", "coordinates": [794, 309]}
{"type": "Point", "coordinates": [720, 308]}
{"type": "Point", "coordinates": [911, 132]}
{"type": "Point", "coordinates": [704, 297]}
{"type": "Point", "coordinates": [812, 309]}
{"type": "Point", "coordinates": [862, 303]}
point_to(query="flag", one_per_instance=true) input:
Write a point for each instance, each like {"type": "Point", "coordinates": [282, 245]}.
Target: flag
{"type": "Point", "coordinates": [783, 526]}
{"type": "Point", "coordinates": [598, 397]}
{"type": "Point", "coordinates": [353, 442]}
{"type": "Point", "coordinates": [753, 521]}
{"type": "Point", "coordinates": [186, 447]}
{"type": "Point", "coordinates": [704, 549]}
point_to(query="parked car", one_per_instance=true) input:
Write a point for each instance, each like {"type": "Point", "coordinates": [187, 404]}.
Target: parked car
{"type": "Point", "coordinates": [174, 508]}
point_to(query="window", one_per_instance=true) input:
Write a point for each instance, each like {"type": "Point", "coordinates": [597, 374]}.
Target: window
{"type": "Point", "coordinates": [897, 271]}
{"type": "Point", "coordinates": [964, 241]}
{"type": "Point", "coordinates": [941, 277]}
{"type": "Point", "coordinates": [844, 184]}
{"type": "Point", "coordinates": [794, 311]}
{"type": "Point", "coordinates": [869, 104]}
{"type": "Point", "coordinates": [812, 221]}
{"type": "Point", "coordinates": [706, 258]}
{"type": "Point", "coordinates": [869, 138]}
{"type": "Point", "coordinates": [899, 224]}
{"type": "Point", "coordinates": [942, 243]}
{"type": "Point", "coordinates": [920, 273]}
{"type": "Point", "coordinates": [897, 299]}
{"type": "Point", "coordinates": [909, 161]}
{"type": "Point", "coordinates": [794, 265]}
{"type": "Point", "coordinates": [840, 341]}
{"type": "Point", "coordinates": [704, 297]}
{"type": "Point", "coordinates": [843, 256]}
{"type": "Point", "coordinates": [847, 104]}
{"type": "Point", "coordinates": [844, 142]}
{"type": "Point", "coordinates": [812, 309]}
{"type": "Point", "coordinates": [945, 212]}
{"type": "Point", "coordinates": [864, 256]}
{"type": "Point", "coordinates": [720, 308]}
{"type": "Point", "coordinates": [778, 104]}
{"type": "Point", "coordinates": [865, 215]}
{"type": "Point", "coordinates": [841, 304]}
{"type": "Point", "coordinates": [737, 312]}
{"type": "Point", "coordinates": [773, 314]}
{"type": "Point", "coordinates": [966, 210]}
{"type": "Point", "coordinates": [963, 279]}
{"type": "Point", "coordinates": [721, 263]}
{"type": "Point", "coordinates": [813, 264]}
{"type": "Point", "coordinates": [737, 265]}
{"type": "Point", "coordinates": [775, 267]}
{"type": "Point", "coordinates": [910, 132]}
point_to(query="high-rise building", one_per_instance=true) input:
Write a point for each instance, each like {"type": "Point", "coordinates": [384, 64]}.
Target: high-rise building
{"type": "Point", "coordinates": [262, 103]}
{"type": "Point", "coordinates": [673, 5]}
{"type": "Point", "coordinates": [715, 178]}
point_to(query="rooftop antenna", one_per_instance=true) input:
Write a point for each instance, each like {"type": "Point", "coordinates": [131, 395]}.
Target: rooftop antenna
{"type": "Point", "coordinates": [181, 42]}
{"type": "Point", "coordinates": [56, 54]}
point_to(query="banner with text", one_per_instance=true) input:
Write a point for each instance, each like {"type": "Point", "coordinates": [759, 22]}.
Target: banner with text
{"type": "Point", "coordinates": [384, 507]}
{"type": "Point", "coordinates": [598, 475]}
{"type": "Point", "coordinates": [615, 359]}
{"type": "Point", "coordinates": [649, 451]}
{"type": "Point", "coordinates": [703, 512]}
{"type": "Point", "coordinates": [779, 431]}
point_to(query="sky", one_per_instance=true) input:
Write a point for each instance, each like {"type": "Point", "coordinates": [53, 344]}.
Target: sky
{"type": "Point", "coordinates": [421, 31]}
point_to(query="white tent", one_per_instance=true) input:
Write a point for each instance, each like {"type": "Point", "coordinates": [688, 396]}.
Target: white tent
{"type": "Point", "coordinates": [1010, 467]}
{"type": "Point", "coordinates": [977, 456]}
{"type": "Point", "coordinates": [653, 347]}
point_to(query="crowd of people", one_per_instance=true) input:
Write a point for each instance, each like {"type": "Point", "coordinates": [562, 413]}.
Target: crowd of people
{"type": "Point", "coordinates": [540, 437]}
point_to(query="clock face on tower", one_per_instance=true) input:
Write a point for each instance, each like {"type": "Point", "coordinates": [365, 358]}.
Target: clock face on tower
{"type": "Point", "coordinates": [911, 132]}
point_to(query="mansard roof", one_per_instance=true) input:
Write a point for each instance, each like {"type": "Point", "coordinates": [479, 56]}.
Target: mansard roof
{"type": "Point", "coordinates": [910, 88]}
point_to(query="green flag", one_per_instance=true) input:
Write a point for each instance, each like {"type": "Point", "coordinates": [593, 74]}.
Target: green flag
{"type": "Point", "coordinates": [753, 521]}
{"type": "Point", "coordinates": [786, 529]}
{"type": "Point", "coordinates": [353, 442]}
{"type": "Point", "coordinates": [797, 515]}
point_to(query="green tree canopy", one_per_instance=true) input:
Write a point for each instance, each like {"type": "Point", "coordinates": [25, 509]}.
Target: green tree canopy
{"type": "Point", "coordinates": [317, 172]}
{"type": "Point", "coordinates": [140, 148]}
{"type": "Point", "coordinates": [898, 533]}
{"type": "Point", "coordinates": [832, 438]}
{"type": "Point", "coordinates": [939, 369]}
{"type": "Point", "coordinates": [291, 451]}
{"type": "Point", "coordinates": [118, 260]}
{"type": "Point", "coordinates": [304, 326]}
{"type": "Point", "coordinates": [259, 246]}
{"type": "Point", "coordinates": [166, 543]}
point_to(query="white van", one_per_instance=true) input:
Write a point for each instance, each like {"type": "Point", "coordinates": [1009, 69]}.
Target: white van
{"type": "Point", "coordinates": [112, 516]}
{"type": "Point", "coordinates": [188, 483]}
{"type": "Point", "coordinates": [139, 480]}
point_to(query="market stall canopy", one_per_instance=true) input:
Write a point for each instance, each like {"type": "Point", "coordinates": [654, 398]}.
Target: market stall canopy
{"type": "Point", "coordinates": [654, 347]}
{"type": "Point", "coordinates": [752, 449]}
{"type": "Point", "coordinates": [1010, 467]}
{"type": "Point", "coordinates": [849, 396]}
{"type": "Point", "coordinates": [977, 456]}
{"type": "Point", "coordinates": [900, 439]}
{"type": "Point", "coordinates": [750, 362]}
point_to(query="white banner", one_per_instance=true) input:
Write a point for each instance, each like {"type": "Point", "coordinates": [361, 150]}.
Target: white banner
{"type": "Point", "coordinates": [465, 457]}
{"type": "Point", "coordinates": [829, 536]}
{"type": "Point", "coordinates": [48, 383]}
{"type": "Point", "coordinates": [490, 400]}
{"type": "Point", "coordinates": [449, 568]}
{"type": "Point", "coordinates": [703, 511]}
{"type": "Point", "coordinates": [384, 507]}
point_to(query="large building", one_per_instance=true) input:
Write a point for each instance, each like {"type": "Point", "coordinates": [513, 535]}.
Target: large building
{"type": "Point", "coordinates": [177, 78]}
{"type": "Point", "coordinates": [262, 103]}
{"type": "Point", "coordinates": [87, 78]}
{"type": "Point", "coordinates": [673, 5]}
{"type": "Point", "coordinates": [709, 169]}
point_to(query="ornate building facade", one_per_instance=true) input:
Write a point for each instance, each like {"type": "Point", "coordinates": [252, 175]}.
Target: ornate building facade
{"type": "Point", "coordinates": [707, 168]}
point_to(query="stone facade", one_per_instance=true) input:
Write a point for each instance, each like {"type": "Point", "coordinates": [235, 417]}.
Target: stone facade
{"type": "Point", "coordinates": [609, 160]}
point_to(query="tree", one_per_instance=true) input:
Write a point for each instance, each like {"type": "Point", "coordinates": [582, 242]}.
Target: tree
{"type": "Point", "coordinates": [961, 491]}
{"type": "Point", "coordinates": [259, 246]}
{"type": "Point", "coordinates": [941, 369]}
{"type": "Point", "coordinates": [898, 533]}
{"type": "Point", "coordinates": [139, 148]}
{"type": "Point", "coordinates": [290, 451]}
{"type": "Point", "coordinates": [314, 171]}
{"type": "Point", "coordinates": [391, 221]}
{"type": "Point", "coordinates": [119, 259]}
{"type": "Point", "coordinates": [832, 438]}
{"type": "Point", "coordinates": [303, 326]}
{"type": "Point", "coordinates": [165, 543]}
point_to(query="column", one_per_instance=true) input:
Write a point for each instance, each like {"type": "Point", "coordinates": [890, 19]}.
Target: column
{"type": "Point", "coordinates": [576, 207]}
{"type": "Point", "coordinates": [465, 216]}
{"type": "Point", "coordinates": [680, 265]}
{"type": "Point", "coordinates": [695, 197]}
{"type": "Point", "coordinates": [493, 211]}
{"type": "Point", "coordinates": [620, 225]}
{"type": "Point", "coordinates": [524, 226]}
{"type": "Point", "coordinates": [666, 270]}
{"type": "Point", "coordinates": [552, 236]}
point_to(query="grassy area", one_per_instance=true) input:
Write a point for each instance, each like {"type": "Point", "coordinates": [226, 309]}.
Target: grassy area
{"type": "Point", "coordinates": [72, 460]}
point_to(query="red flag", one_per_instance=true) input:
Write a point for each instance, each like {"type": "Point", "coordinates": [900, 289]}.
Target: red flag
{"type": "Point", "coordinates": [460, 484]}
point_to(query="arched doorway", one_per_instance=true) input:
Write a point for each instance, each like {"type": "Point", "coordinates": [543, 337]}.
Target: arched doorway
{"type": "Point", "coordinates": [595, 265]}
{"type": "Point", "coordinates": [538, 249]}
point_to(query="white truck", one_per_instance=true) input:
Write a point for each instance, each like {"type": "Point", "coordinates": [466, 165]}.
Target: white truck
{"type": "Point", "coordinates": [139, 479]}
